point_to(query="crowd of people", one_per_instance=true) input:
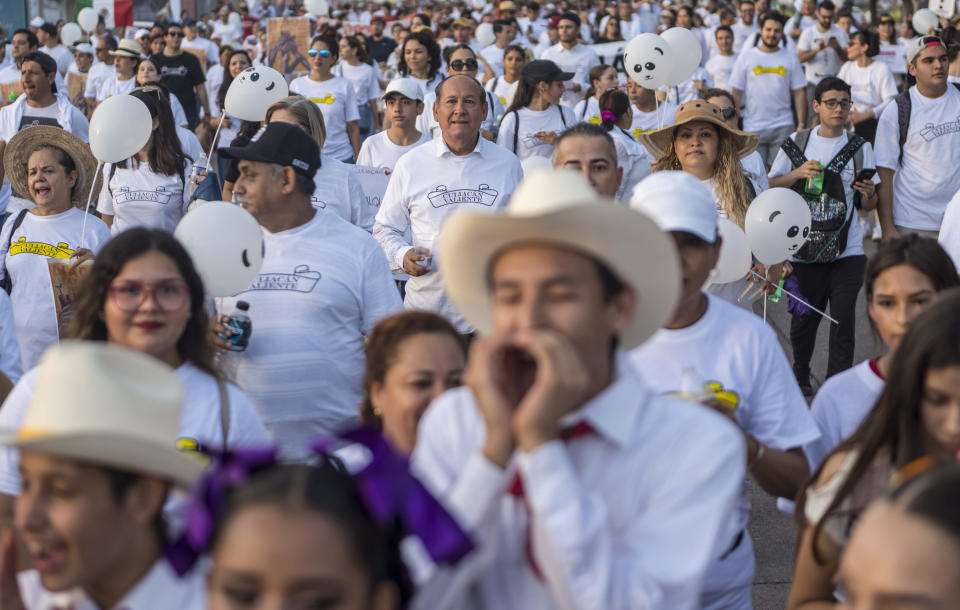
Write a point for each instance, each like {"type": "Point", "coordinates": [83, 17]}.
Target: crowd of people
{"type": "Point", "coordinates": [508, 379]}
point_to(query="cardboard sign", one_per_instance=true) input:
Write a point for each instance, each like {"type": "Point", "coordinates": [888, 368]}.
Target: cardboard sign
{"type": "Point", "coordinates": [76, 84]}
{"type": "Point", "coordinates": [288, 39]}
{"type": "Point", "coordinates": [65, 281]}
{"type": "Point", "coordinates": [9, 92]}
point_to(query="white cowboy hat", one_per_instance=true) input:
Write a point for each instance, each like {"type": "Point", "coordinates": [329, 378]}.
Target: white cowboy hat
{"type": "Point", "coordinates": [107, 405]}
{"type": "Point", "coordinates": [558, 207]}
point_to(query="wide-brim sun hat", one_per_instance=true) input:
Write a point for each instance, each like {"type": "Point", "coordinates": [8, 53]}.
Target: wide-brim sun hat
{"type": "Point", "coordinates": [659, 142]}
{"type": "Point", "coordinates": [558, 208]}
{"type": "Point", "coordinates": [128, 48]}
{"type": "Point", "coordinates": [107, 405]}
{"type": "Point", "coordinates": [26, 141]}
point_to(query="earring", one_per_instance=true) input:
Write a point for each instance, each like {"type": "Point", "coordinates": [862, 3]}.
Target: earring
{"type": "Point", "coordinates": [377, 412]}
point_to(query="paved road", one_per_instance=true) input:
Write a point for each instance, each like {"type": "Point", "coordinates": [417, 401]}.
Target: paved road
{"type": "Point", "coordinates": [774, 534]}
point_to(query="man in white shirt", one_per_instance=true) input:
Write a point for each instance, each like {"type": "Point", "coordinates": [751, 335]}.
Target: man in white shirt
{"type": "Point", "coordinates": [102, 70]}
{"type": "Point", "coordinates": [729, 360]}
{"type": "Point", "coordinates": [193, 41]}
{"type": "Point", "coordinates": [403, 101]}
{"type": "Point", "coordinates": [458, 170]}
{"type": "Point", "coordinates": [630, 25]}
{"type": "Point", "coordinates": [49, 39]}
{"type": "Point", "coordinates": [720, 65]}
{"type": "Point", "coordinates": [727, 18]}
{"type": "Point", "coordinates": [323, 285]}
{"type": "Point", "coordinates": [571, 56]}
{"type": "Point", "coordinates": [24, 41]}
{"type": "Point", "coordinates": [102, 544]}
{"type": "Point", "coordinates": [504, 32]}
{"type": "Point", "coordinates": [765, 79]}
{"type": "Point", "coordinates": [566, 470]}
{"type": "Point", "coordinates": [803, 19]}
{"type": "Point", "coordinates": [822, 48]}
{"type": "Point", "coordinates": [918, 173]}
{"type": "Point", "coordinates": [747, 26]}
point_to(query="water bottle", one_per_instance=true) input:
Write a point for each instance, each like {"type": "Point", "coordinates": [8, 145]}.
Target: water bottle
{"type": "Point", "coordinates": [201, 164]}
{"type": "Point", "coordinates": [240, 328]}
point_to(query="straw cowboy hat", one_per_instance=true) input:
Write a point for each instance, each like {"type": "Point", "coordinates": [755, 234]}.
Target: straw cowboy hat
{"type": "Point", "coordinates": [21, 146]}
{"type": "Point", "coordinates": [658, 142]}
{"type": "Point", "coordinates": [558, 207]}
{"type": "Point", "coordinates": [128, 48]}
{"type": "Point", "coordinates": [108, 405]}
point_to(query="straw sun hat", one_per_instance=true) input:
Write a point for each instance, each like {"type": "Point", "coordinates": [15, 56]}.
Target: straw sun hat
{"type": "Point", "coordinates": [21, 146]}
{"type": "Point", "coordinates": [658, 142]}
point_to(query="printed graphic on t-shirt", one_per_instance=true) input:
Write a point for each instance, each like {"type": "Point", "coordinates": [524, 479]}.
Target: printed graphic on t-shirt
{"type": "Point", "coordinates": [758, 70]}
{"type": "Point", "coordinates": [318, 203]}
{"type": "Point", "coordinates": [22, 246]}
{"type": "Point", "coordinates": [33, 121]}
{"type": "Point", "coordinates": [159, 195]}
{"type": "Point", "coordinates": [327, 99]}
{"type": "Point", "coordinates": [173, 71]}
{"type": "Point", "coordinates": [483, 194]}
{"type": "Point", "coordinates": [636, 132]}
{"type": "Point", "coordinates": [301, 280]}
{"type": "Point", "coordinates": [931, 132]}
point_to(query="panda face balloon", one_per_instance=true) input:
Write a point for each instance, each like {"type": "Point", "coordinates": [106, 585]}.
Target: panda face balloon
{"type": "Point", "coordinates": [777, 224]}
{"type": "Point", "coordinates": [648, 60]}
{"type": "Point", "coordinates": [253, 91]}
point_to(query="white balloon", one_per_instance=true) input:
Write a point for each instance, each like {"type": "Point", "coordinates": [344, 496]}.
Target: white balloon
{"type": "Point", "coordinates": [70, 33]}
{"type": "Point", "coordinates": [532, 164]}
{"type": "Point", "coordinates": [484, 34]}
{"type": "Point", "coordinates": [687, 53]}
{"type": "Point", "coordinates": [87, 18]}
{"type": "Point", "coordinates": [734, 261]}
{"type": "Point", "coordinates": [777, 225]}
{"type": "Point", "coordinates": [253, 91]}
{"type": "Point", "coordinates": [226, 245]}
{"type": "Point", "coordinates": [119, 128]}
{"type": "Point", "coordinates": [648, 60]}
{"type": "Point", "coordinates": [318, 7]}
{"type": "Point", "coordinates": [923, 20]}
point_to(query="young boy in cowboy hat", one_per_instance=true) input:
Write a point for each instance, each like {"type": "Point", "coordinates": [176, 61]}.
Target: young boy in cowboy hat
{"type": "Point", "coordinates": [97, 462]}
{"type": "Point", "coordinates": [580, 487]}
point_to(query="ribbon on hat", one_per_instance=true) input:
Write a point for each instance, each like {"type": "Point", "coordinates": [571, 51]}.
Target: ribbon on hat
{"type": "Point", "coordinates": [607, 116]}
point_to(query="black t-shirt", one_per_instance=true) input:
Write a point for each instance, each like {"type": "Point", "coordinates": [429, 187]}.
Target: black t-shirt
{"type": "Point", "coordinates": [181, 74]}
{"type": "Point", "coordinates": [380, 50]}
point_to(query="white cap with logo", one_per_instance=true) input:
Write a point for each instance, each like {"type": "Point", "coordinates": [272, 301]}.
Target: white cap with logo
{"type": "Point", "coordinates": [407, 87]}
{"type": "Point", "coordinates": [677, 201]}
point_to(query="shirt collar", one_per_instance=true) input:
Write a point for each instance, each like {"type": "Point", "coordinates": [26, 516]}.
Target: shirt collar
{"type": "Point", "coordinates": [614, 411]}
{"type": "Point", "coordinates": [442, 150]}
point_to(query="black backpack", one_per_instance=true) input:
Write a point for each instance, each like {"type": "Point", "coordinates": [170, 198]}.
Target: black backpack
{"type": "Point", "coordinates": [828, 210]}
{"type": "Point", "coordinates": [903, 117]}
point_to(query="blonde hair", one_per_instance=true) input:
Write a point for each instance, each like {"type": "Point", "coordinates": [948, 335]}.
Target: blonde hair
{"type": "Point", "coordinates": [308, 116]}
{"type": "Point", "coordinates": [733, 190]}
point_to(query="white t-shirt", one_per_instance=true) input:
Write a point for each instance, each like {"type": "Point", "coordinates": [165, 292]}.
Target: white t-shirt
{"type": "Point", "coordinates": [826, 62]}
{"type": "Point", "coordinates": [741, 33]}
{"type": "Point", "coordinates": [379, 150]}
{"type": "Point", "coordinates": [214, 80]}
{"type": "Point", "coordinates": [737, 349]}
{"type": "Point", "coordinates": [138, 197]}
{"type": "Point", "coordinates": [928, 177]}
{"type": "Point", "coordinates": [502, 89]}
{"type": "Point", "coordinates": [643, 122]}
{"type": "Point", "coordinates": [189, 143]}
{"type": "Point", "coordinates": [338, 104]}
{"type": "Point", "coordinates": [112, 85]}
{"type": "Point", "coordinates": [871, 88]}
{"type": "Point", "coordinates": [824, 150]}
{"type": "Point", "coordinates": [337, 190]}
{"type": "Point", "coordinates": [687, 90]}
{"type": "Point", "coordinates": [35, 240]}
{"type": "Point", "coordinates": [428, 85]}
{"type": "Point", "coordinates": [494, 56]}
{"type": "Point", "coordinates": [633, 158]}
{"type": "Point", "coordinates": [200, 422]}
{"type": "Point", "coordinates": [363, 78]}
{"type": "Point", "coordinates": [95, 77]}
{"type": "Point", "coordinates": [949, 237]}
{"type": "Point", "coordinates": [61, 54]}
{"type": "Point", "coordinates": [555, 119]}
{"type": "Point", "coordinates": [588, 110]}
{"type": "Point", "coordinates": [894, 55]}
{"type": "Point", "coordinates": [767, 80]}
{"type": "Point", "coordinates": [10, 362]}
{"type": "Point", "coordinates": [578, 60]}
{"type": "Point", "coordinates": [755, 169]}
{"type": "Point", "coordinates": [719, 67]}
{"type": "Point", "coordinates": [322, 287]}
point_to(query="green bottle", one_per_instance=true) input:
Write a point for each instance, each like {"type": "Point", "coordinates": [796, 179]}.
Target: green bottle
{"type": "Point", "coordinates": [814, 185]}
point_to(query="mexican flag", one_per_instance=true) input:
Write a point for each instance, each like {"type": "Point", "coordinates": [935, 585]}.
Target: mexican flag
{"type": "Point", "coordinates": [117, 13]}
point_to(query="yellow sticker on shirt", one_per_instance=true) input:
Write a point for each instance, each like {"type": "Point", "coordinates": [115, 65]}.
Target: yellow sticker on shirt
{"type": "Point", "coordinates": [636, 132]}
{"type": "Point", "coordinates": [503, 100]}
{"type": "Point", "coordinates": [327, 99]}
{"type": "Point", "coordinates": [22, 246]}
{"type": "Point", "coordinates": [770, 70]}
{"type": "Point", "coordinates": [595, 120]}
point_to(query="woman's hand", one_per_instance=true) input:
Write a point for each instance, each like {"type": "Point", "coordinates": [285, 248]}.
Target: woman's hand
{"type": "Point", "coordinates": [810, 169]}
{"type": "Point", "coordinates": [81, 255]}
{"type": "Point", "coordinates": [547, 137]}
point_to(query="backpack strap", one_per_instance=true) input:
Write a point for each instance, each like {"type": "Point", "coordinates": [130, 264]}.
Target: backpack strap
{"type": "Point", "coordinates": [224, 412]}
{"type": "Point", "coordinates": [792, 149]}
{"type": "Point", "coordinates": [516, 131]}
{"type": "Point", "coordinates": [586, 105]}
{"type": "Point", "coordinates": [803, 138]}
{"type": "Point", "coordinates": [854, 144]}
{"type": "Point", "coordinates": [7, 282]}
{"type": "Point", "coordinates": [563, 119]}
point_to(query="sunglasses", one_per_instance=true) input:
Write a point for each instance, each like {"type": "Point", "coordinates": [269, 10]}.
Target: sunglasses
{"type": "Point", "coordinates": [728, 113]}
{"type": "Point", "coordinates": [175, 34]}
{"type": "Point", "coordinates": [459, 65]}
{"type": "Point", "coordinates": [324, 53]}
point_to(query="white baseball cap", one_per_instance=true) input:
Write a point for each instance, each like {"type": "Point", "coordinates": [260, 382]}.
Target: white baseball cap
{"type": "Point", "coordinates": [36, 22]}
{"type": "Point", "coordinates": [83, 47]}
{"type": "Point", "coordinates": [406, 86]}
{"type": "Point", "coordinates": [915, 46]}
{"type": "Point", "coordinates": [677, 201]}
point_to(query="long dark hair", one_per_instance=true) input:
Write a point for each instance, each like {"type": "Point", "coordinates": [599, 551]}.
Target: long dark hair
{"type": "Point", "coordinates": [425, 38]}
{"type": "Point", "coordinates": [87, 322]}
{"type": "Point", "coordinates": [615, 101]}
{"type": "Point", "coordinates": [359, 45]}
{"type": "Point", "coordinates": [894, 427]}
{"type": "Point", "coordinates": [922, 253]}
{"type": "Point", "coordinates": [228, 78]}
{"type": "Point", "coordinates": [868, 39]}
{"type": "Point", "coordinates": [326, 489]}
{"type": "Point", "coordinates": [165, 154]}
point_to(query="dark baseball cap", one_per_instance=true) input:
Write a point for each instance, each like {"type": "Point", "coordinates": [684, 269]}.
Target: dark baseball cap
{"type": "Point", "coordinates": [281, 143]}
{"type": "Point", "coordinates": [543, 71]}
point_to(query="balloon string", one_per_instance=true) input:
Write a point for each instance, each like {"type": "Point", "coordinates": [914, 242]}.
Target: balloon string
{"type": "Point", "coordinates": [86, 209]}
{"type": "Point", "coordinates": [798, 299]}
{"type": "Point", "coordinates": [216, 135]}
{"type": "Point", "coordinates": [656, 101]}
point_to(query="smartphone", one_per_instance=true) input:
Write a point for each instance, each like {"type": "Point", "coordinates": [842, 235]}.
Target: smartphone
{"type": "Point", "coordinates": [865, 174]}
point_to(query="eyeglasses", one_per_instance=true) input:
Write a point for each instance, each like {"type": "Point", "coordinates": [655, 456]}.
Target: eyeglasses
{"type": "Point", "coordinates": [459, 65]}
{"type": "Point", "coordinates": [728, 113]}
{"type": "Point", "coordinates": [170, 295]}
{"type": "Point", "coordinates": [175, 34]}
{"type": "Point", "coordinates": [324, 53]}
{"type": "Point", "coordinates": [832, 104]}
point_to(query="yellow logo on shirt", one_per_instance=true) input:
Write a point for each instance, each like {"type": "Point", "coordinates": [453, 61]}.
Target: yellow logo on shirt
{"type": "Point", "coordinates": [595, 119]}
{"type": "Point", "coordinates": [503, 100]}
{"type": "Point", "coordinates": [22, 246]}
{"type": "Point", "coordinates": [770, 70]}
{"type": "Point", "coordinates": [636, 132]}
{"type": "Point", "coordinates": [192, 448]}
{"type": "Point", "coordinates": [327, 99]}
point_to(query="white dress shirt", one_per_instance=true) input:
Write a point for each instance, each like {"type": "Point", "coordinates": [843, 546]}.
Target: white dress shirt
{"type": "Point", "coordinates": [628, 517]}
{"type": "Point", "coordinates": [337, 190]}
{"type": "Point", "coordinates": [427, 185]}
{"type": "Point", "coordinates": [578, 60]}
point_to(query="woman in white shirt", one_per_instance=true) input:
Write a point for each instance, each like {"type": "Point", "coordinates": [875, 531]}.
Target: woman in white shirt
{"type": "Point", "coordinates": [420, 60]}
{"type": "Point", "coordinates": [335, 98]}
{"type": "Point", "coordinates": [126, 64]}
{"type": "Point", "coordinates": [150, 188]}
{"type": "Point", "coordinates": [505, 87]}
{"type": "Point", "coordinates": [616, 113]}
{"type": "Point", "coordinates": [871, 83]}
{"type": "Point", "coordinates": [236, 63]}
{"type": "Point", "coordinates": [601, 78]}
{"type": "Point", "coordinates": [903, 276]}
{"type": "Point", "coordinates": [535, 118]}
{"type": "Point", "coordinates": [892, 50]}
{"type": "Point", "coordinates": [355, 67]}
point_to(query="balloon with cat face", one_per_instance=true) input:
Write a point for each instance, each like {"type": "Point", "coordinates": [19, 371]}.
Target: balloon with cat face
{"type": "Point", "coordinates": [777, 225]}
{"type": "Point", "coordinates": [253, 91]}
{"type": "Point", "coordinates": [648, 60]}
{"type": "Point", "coordinates": [226, 245]}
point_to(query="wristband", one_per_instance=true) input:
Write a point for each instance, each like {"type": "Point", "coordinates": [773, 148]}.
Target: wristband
{"type": "Point", "coordinates": [761, 451]}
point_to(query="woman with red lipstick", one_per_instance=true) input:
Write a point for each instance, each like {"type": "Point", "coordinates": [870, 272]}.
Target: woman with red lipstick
{"type": "Point", "coordinates": [918, 414]}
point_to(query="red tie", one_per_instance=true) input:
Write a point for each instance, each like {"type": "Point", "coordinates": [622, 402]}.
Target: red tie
{"type": "Point", "coordinates": [515, 489]}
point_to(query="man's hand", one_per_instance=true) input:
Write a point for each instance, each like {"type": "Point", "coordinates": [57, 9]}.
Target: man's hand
{"type": "Point", "coordinates": [888, 232]}
{"type": "Point", "coordinates": [773, 273]}
{"type": "Point", "coordinates": [547, 137]}
{"type": "Point", "coordinates": [498, 376]}
{"type": "Point", "coordinates": [411, 260]}
{"type": "Point", "coordinates": [810, 169]}
{"type": "Point", "coordinates": [866, 188]}
{"type": "Point", "coordinates": [81, 255]}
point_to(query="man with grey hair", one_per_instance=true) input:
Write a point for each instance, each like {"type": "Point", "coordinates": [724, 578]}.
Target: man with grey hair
{"type": "Point", "coordinates": [589, 149]}
{"type": "Point", "coordinates": [459, 170]}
